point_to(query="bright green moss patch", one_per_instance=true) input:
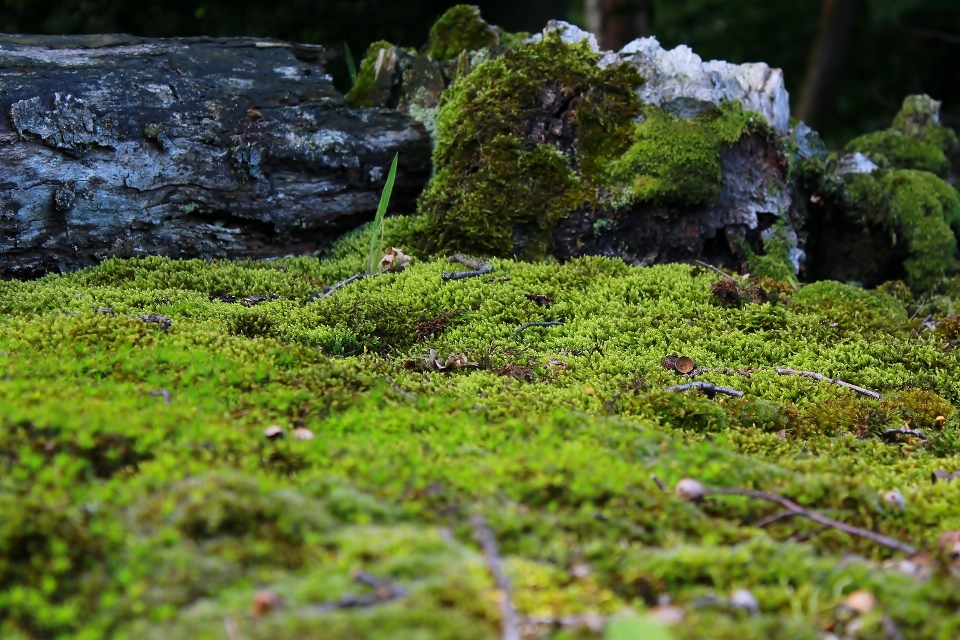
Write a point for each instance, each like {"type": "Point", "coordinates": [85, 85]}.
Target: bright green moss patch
{"type": "Point", "coordinates": [460, 29]}
{"type": "Point", "coordinates": [677, 161]}
{"type": "Point", "coordinates": [141, 498]}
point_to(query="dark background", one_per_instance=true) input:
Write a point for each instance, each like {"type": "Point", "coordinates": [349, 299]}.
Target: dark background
{"type": "Point", "coordinates": [893, 48]}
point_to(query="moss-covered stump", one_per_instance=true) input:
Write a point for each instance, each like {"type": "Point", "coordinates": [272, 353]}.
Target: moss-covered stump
{"type": "Point", "coordinates": [549, 146]}
{"type": "Point", "coordinates": [889, 212]}
{"type": "Point", "coordinates": [142, 496]}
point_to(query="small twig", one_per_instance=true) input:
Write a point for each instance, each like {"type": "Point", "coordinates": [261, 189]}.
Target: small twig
{"type": "Point", "coordinates": [342, 283]}
{"type": "Point", "coordinates": [162, 392]}
{"type": "Point", "coordinates": [536, 324]}
{"type": "Point", "coordinates": [383, 591]}
{"type": "Point", "coordinates": [706, 387]}
{"type": "Point", "coordinates": [660, 483]}
{"type": "Point", "coordinates": [476, 265]}
{"type": "Point", "coordinates": [820, 376]}
{"type": "Point", "coordinates": [795, 508]}
{"type": "Point", "coordinates": [459, 275]}
{"type": "Point", "coordinates": [803, 537]}
{"type": "Point", "coordinates": [783, 515]}
{"type": "Point", "coordinates": [408, 396]}
{"type": "Point", "coordinates": [904, 431]}
{"type": "Point", "coordinates": [713, 268]}
{"type": "Point", "coordinates": [488, 542]}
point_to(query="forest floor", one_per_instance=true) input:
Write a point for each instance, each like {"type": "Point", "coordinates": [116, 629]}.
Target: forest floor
{"type": "Point", "coordinates": [210, 450]}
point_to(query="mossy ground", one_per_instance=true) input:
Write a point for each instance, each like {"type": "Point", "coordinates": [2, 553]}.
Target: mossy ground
{"type": "Point", "coordinates": [125, 516]}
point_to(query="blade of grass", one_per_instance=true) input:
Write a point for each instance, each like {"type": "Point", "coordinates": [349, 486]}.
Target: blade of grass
{"type": "Point", "coordinates": [381, 211]}
{"type": "Point", "coordinates": [351, 65]}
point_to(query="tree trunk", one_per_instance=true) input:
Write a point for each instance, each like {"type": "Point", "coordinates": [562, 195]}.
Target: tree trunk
{"type": "Point", "coordinates": [837, 21]}
{"type": "Point", "coordinates": [617, 22]}
{"type": "Point", "coordinates": [197, 147]}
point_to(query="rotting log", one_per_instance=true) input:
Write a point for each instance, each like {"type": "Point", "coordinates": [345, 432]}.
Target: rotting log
{"type": "Point", "coordinates": [188, 147]}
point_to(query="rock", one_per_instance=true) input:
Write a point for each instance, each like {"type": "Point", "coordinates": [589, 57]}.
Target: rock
{"type": "Point", "coordinates": [679, 81]}
{"type": "Point", "coordinates": [854, 163]}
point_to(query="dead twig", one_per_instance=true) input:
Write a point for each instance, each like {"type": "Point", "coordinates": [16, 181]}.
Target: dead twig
{"type": "Point", "coordinates": [488, 542]}
{"type": "Point", "coordinates": [793, 507]}
{"type": "Point", "coordinates": [408, 396]}
{"type": "Point", "coordinates": [342, 283]}
{"type": "Point", "coordinates": [707, 388]}
{"type": "Point", "coordinates": [783, 371]}
{"type": "Point", "coordinates": [713, 268]}
{"type": "Point", "coordinates": [163, 393]}
{"type": "Point", "coordinates": [889, 434]}
{"type": "Point", "coordinates": [477, 268]}
{"type": "Point", "coordinates": [536, 324]}
{"type": "Point", "coordinates": [782, 515]}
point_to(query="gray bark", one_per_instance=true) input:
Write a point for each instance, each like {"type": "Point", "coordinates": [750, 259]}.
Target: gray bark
{"type": "Point", "coordinates": [199, 147]}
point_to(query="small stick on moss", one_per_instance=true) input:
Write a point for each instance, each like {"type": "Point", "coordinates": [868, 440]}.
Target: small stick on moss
{"type": "Point", "coordinates": [536, 324]}
{"type": "Point", "coordinates": [342, 283]}
{"type": "Point", "coordinates": [796, 509]}
{"type": "Point", "coordinates": [706, 387]}
{"type": "Point", "coordinates": [820, 376]}
{"type": "Point", "coordinates": [903, 431]}
{"type": "Point", "coordinates": [408, 396]}
{"type": "Point", "coordinates": [163, 393]}
{"type": "Point", "coordinates": [488, 542]}
{"type": "Point", "coordinates": [782, 515]}
{"type": "Point", "coordinates": [713, 268]}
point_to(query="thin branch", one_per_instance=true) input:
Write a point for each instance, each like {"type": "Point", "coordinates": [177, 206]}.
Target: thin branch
{"type": "Point", "coordinates": [820, 376]}
{"type": "Point", "coordinates": [488, 542]}
{"type": "Point", "coordinates": [782, 515]}
{"type": "Point", "coordinates": [163, 393]}
{"type": "Point", "coordinates": [476, 265]}
{"type": "Point", "coordinates": [795, 508]}
{"type": "Point", "coordinates": [905, 432]}
{"type": "Point", "coordinates": [408, 396]}
{"type": "Point", "coordinates": [706, 387]}
{"type": "Point", "coordinates": [803, 537]}
{"type": "Point", "coordinates": [460, 275]}
{"type": "Point", "coordinates": [342, 283]}
{"type": "Point", "coordinates": [536, 324]}
{"type": "Point", "coordinates": [713, 268]}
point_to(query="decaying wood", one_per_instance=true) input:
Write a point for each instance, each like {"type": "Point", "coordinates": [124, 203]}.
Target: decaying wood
{"type": "Point", "coordinates": [188, 147]}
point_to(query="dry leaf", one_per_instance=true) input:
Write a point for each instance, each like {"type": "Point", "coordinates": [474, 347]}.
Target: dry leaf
{"type": "Point", "coordinates": [394, 261]}
{"type": "Point", "coordinates": [861, 601]}
{"type": "Point", "coordinates": [265, 601]}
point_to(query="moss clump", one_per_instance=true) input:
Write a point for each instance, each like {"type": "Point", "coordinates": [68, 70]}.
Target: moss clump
{"type": "Point", "coordinates": [522, 141]}
{"type": "Point", "coordinates": [674, 161]}
{"type": "Point", "coordinates": [916, 140]}
{"type": "Point", "coordinates": [921, 214]}
{"type": "Point", "coordinates": [360, 94]}
{"type": "Point", "coordinates": [842, 302]}
{"type": "Point", "coordinates": [460, 29]}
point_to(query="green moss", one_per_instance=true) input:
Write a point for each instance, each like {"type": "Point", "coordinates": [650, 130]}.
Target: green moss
{"type": "Point", "coordinates": [916, 140]}
{"type": "Point", "coordinates": [921, 213]}
{"type": "Point", "coordinates": [499, 185]}
{"type": "Point", "coordinates": [360, 94]}
{"type": "Point", "coordinates": [460, 29]}
{"type": "Point", "coordinates": [129, 516]}
{"type": "Point", "coordinates": [775, 263]}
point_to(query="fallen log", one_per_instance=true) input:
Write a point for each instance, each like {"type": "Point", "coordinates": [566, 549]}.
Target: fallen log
{"type": "Point", "coordinates": [186, 147]}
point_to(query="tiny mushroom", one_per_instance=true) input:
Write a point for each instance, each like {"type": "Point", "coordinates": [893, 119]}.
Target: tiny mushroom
{"type": "Point", "coordinates": [685, 365]}
{"type": "Point", "coordinates": [273, 432]}
{"type": "Point", "coordinates": [690, 489]}
{"type": "Point", "coordinates": [265, 601]}
{"type": "Point", "coordinates": [302, 433]}
{"type": "Point", "coordinates": [895, 499]}
{"type": "Point", "coordinates": [861, 601]}
{"type": "Point", "coordinates": [743, 599]}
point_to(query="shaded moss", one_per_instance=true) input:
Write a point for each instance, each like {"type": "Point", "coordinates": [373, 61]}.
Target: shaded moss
{"type": "Point", "coordinates": [460, 29]}
{"type": "Point", "coordinates": [916, 140]}
{"type": "Point", "coordinates": [360, 95]}
{"type": "Point", "coordinates": [921, 214]}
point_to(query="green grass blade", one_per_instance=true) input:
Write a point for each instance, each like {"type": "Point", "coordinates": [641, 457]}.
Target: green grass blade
{"type": "Point", "coordinates": [351, 65]}
{"type": "Point", "coordinates": [381, 211]}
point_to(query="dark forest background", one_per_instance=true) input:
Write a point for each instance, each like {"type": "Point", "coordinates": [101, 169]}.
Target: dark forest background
{"type": "Point", "coordinates": [848, 63]}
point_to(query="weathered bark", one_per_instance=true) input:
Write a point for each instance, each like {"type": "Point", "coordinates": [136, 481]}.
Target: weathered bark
{"type": "Point", "coordinates": [123, 146]}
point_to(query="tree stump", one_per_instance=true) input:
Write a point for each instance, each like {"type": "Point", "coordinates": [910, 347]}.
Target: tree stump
{"type": "Point", "coordinates": [187, 147]}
